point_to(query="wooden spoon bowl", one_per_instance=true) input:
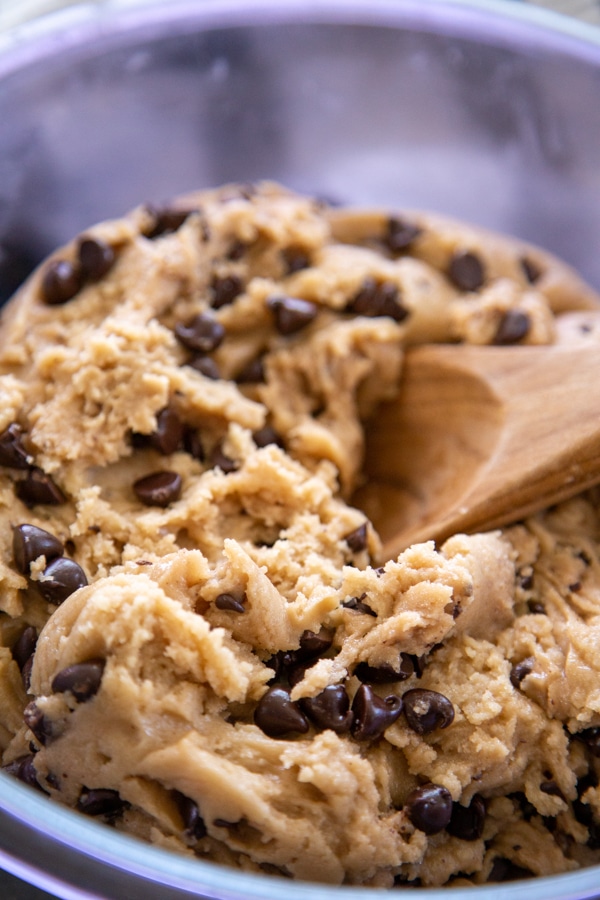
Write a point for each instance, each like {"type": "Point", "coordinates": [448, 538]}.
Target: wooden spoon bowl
{"type": "Point", "coordinates": [480, 437]}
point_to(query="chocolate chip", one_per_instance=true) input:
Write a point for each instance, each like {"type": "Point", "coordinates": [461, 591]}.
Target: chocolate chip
{"type": "Point", "coordinates": [24, 769]}
{"type": "Point", "coordinates": [24, 647]}
{"type": "Point", "coordinates": [385, 674]}
{"type": "Point", "coordinates": [551, 788]}
{"type": "Point", "coordinates": [202, 334]}
{"type": "Point", "coordinates": [536, 608]}
{"type": "Point", "coordinates": [295, 259]}
{"type": "Point", "coordinates": [220, 460]}
{"type": "Point", "coordinates": [466, 271]}
{"type": "Point", "coordinates": [30, 542]}
{"type": "Point", "coordinates": [295, 673]}
{"type": "Point", "coordinates": [61, 281]}
{"type": "Point", "coordinates": [357, 539]}
{"type": "Point", "coordinates": [81, 679]}
{"type": "Point", "coordinates": [192, 444]}
{"type": "Point", "coordinates": [400, 234]}
{"type": "Point", "coordinates": [38, 723]}
{"type": "Point", "coordinates": [329, 709]}
{"type": "Point", "coordinates": [39, 488]}
{"type": "Point", "coordinates": [467, 822]}
{"type": "Point", "coordinates": [206, 366]}
{"type": "Point", "coordinates": [101, 802]}
{"type": "Point", "coordinates": [512, 328]}
{"type": "Point", "coordinates": [231, 602]}
{"type": "Point", "coordinates": [193, 823]}
{"type": "Point", "coordinates": [166, 220]}
{"type": "Point", "coordinates": [168, 435]}
{"type": "Point", "coordinates": [236, 250]}
{"type": "Point", "coordinates": [313, 644]}
{"type": "Point", "coordinates": [376, 299]}
{"type": "Point", "coordinates": [520, 671]}
{"type": "Point", "coordinates": [62, 577]}
{"type": "Point", "coordinates": [253, 372]}
{"type": "Point", "coordinates": [158, 488]}
{"type": "Point", "coordinates": [292, 313]}
{"type": "Point", "coordinates": [12, 452]}
{"type": "Point", "coordinates": [530, 269]}
{"type": "Point", "coordinates": [277, 715]}
{"type": "Point", "coordinates": [358, 605]}
{"type": "Point", "coordinates": [26, 673]}
{"type": "Point", "coordinates": [96, 258]}
{"type": "Point", "coordinates": [427, 710]}
{"type": "Point", "coordinates": [591, 738]}
{"type": "Point", "coordinates": [429, 808]}
{"type": "Point", "coordinates": [373, 714]}
{"type": "Point", "coordinates": [225, 289]}
{"type": "Point", "coordinates": [267, 435]}
{"type": "Point", "coordinates": [505, 870]}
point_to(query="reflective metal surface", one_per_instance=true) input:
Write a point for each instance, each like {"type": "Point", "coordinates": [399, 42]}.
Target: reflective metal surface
{"type": "Point", "coordinates": [487, 111]}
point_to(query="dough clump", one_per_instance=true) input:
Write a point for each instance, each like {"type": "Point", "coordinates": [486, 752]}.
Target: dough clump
{"type": "Point", "coordinates": [200, 643]}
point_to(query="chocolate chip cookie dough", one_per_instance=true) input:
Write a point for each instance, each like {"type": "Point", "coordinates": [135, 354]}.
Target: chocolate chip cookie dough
{"type": "Point", "coordinates": [200, 643]}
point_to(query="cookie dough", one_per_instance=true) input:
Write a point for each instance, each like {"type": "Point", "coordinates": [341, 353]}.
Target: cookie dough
{"type": "Point", "coordinates": [200, 642]}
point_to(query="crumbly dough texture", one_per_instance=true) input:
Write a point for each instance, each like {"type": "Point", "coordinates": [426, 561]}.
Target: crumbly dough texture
{"type": "Point", "coordinates": [504, 625]}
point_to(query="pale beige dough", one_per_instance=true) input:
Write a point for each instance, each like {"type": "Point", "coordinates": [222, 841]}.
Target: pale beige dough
{"type": "Point", "coordinates": [173, 714]}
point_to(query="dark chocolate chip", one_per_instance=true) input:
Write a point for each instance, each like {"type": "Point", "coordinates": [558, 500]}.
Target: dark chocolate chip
{"type": "Point", "coordinates": [61, 281]}
{"type": "Point", "coordinates": [277, 715]}
{"type": "Point", "coordinates": [30, 542]}
{"type": "Point", "coordinates": [158, 488]}
{"type": "Point", "coordinates": [520, 671]}
{"type": "Point", "coordinates": [427, 710]}
{"type": "Point", "coordinates": [101, 802]}
{"type": "Point", "coordinates": [385, 674]}
{"type": "Point", "coordinates": [313, 644]}
{"type": "Point", "coordinates": [166, 220]}
{"type": "Point", "coordinates": [526, 580]}
{"type": "Point", "coordinates": [236, 250]}
{"type": "Point", "coordinates": [536, 608]}
{"type": "Point", "coordinates": [530, 269]}
{"type": "Point", "coordinates": [551, 788]}
{"type": "Point", "coordinates": [376, 299]}
{"type": "Point", "coordinates": [38, 723]}
{"type": "Point", "coordinates": [505, 870]}
{"type": "Point", "coordinates": [192, 444]}
{"type": "Point", "coordinates": [467, 822]}
{"type": "Point", "coordinates": [224, 290]}
{"type": "Point", "coordinates": [372, 713]}
{"type": "Point", "coordinates": [466, 271]}
{"type": "Point", "coordinates": [357, 540]}
{"type": "Point", "coordinates": [429, 808]}
{"type": "Point", "coordinates": [295, 673]}
{"type": "Point", "coordinates": [81, 679]}
{"type": "Point", "coordinates": [220, 460]}
{"type": "Point", "coordinates": [24, 647]}
{"type": "Point", "coordinates": [591, 738]}
{"type": "Point", "coordinates": [62, 577]}
{"type": "Point", "coordinates": [401, 234]}
{"type": "Point", "coordinates": [26, 673]}
{"type": "Point", "coordinates": [12, 452]}
{"type": "Point", "coordinates": [202, 334]}
{"type": "Point", "coordinates": [96, 258]}
{"type": "Point", "coordinates": [292, 313]}
{"type": "Point", "coordinates": [168, 435]}
{"type": "Point", "coordinates": [193, 823]}
{"type": "Point", "coordinates": [295, 259]}
{"type": "Point", "coordinates": [357, 604]}
{"type": "Point", "coordinates": [253, 372]}
{"type": "Point", "coordinates": [24, 769]}
{"type": "Point", "coordinates": [231, 602]}
{"type": "Point", "coordinates": [267, 435]}
{"type": "Point", "coordinates": [329, 709]}
{"type": "Point", "coordinates": [206, 366]}
{"type": "Point", "coordinates": [39, 489]}
{"type": "Point", "coordinates": [512, 328]}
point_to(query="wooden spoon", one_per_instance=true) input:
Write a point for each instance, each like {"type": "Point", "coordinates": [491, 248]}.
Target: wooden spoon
{"type": "Point", "coordinates": [480, 437]}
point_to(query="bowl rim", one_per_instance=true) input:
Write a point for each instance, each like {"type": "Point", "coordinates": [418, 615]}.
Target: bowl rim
{"type": "Point", "coordinates": [35, 830]}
